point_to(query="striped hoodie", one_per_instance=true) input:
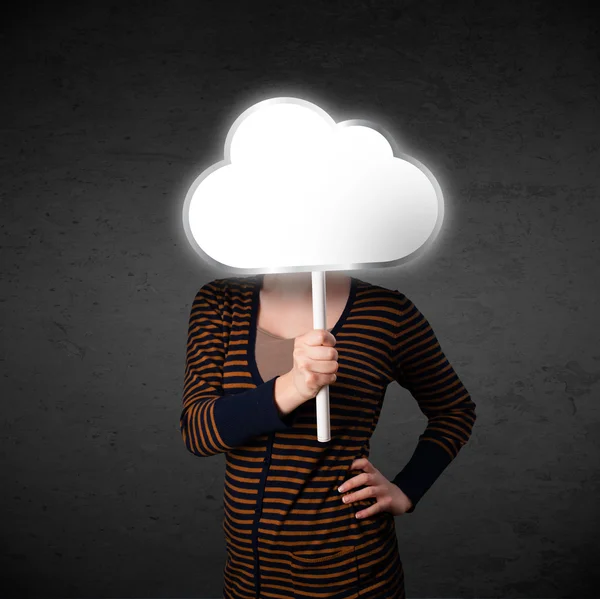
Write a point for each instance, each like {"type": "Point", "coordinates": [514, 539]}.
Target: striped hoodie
{"type": "Point", "coordinates": [288, 534]}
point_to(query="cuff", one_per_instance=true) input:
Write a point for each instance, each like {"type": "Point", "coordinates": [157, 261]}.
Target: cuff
{"type": "Point", "coordinates": [425, 466]}
{"type": "Point", "coordinates": [240, 416]}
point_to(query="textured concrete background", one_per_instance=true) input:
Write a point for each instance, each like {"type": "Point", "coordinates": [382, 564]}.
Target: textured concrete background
{"type": "Point", "coordinates": [110, 110]}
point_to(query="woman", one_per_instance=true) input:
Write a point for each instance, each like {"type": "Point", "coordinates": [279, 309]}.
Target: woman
{"type": "Point", "coordinates": [304, 518]}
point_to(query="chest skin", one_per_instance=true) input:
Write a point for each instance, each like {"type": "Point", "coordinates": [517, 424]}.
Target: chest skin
{"type": "Point", "coordinates": [291, 317]}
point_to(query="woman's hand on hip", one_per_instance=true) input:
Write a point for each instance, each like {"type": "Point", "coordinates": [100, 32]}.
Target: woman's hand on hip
{"type": "Point", "coordinates": [389, 496]}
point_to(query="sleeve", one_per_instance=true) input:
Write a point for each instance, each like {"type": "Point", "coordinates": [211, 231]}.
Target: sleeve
{"type": "Point", "coordinates": [212, 422]}
{"type": "Point", "coordinates": [421, 367]}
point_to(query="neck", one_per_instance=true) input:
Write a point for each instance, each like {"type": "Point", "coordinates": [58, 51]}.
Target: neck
{"type": "Point", "coordinates": [299, 284]}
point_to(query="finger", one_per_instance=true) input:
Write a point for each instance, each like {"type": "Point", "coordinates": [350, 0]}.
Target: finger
{"type": "Point", "coordinates": [320, 337]}
{"type": "Point", "coordinates": [355, 481]}
{"type": "Point", "coordinates": [366, 493]}
{"type": "Point", "coordinates": [361, 464]}
{"type": "Point", "coordinates": [370, 511]}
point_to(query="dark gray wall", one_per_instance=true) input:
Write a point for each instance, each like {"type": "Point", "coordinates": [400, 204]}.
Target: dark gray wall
{"type": "Point", "coordinates": [110, 111]}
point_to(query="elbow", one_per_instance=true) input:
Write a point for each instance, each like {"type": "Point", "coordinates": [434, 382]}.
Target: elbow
{"type": "Point", "coordinates": [469, 409]}
{"type": "Point", "coordinates": [194, 448]}
{"type": "Point", "coordinates": [198, 439]}
{"type": "Point", "coordinates": [468, 416]}
{"type": "Point", "coordinates": [192, 439]}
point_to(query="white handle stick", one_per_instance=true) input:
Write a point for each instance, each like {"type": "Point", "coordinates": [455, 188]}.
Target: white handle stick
{"type": "Point", "coordinates": [319, 295]}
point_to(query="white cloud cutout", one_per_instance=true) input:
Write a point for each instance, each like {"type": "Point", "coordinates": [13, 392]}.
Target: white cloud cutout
{"type": "Point", "coordinates": [296, 191]}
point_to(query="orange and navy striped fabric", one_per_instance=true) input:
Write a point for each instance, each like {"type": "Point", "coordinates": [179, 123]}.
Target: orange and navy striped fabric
{"type": "Point", "coordinates": [288, 534]}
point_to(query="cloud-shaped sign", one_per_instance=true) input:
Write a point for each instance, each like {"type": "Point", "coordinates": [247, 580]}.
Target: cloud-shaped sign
{"type": "Point", "coordinates": [298, 192]}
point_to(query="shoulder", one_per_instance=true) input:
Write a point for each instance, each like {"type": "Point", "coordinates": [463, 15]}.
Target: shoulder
{"type": "Point", "coordinates": [397, 305]}
{"type": "Point", "coordinates": [378, 293]}
{"type": "Point", "coordinates": [219, 291]}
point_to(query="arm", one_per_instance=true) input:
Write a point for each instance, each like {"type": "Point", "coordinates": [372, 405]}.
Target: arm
{"type": "Point", "coordinates": [421, 367]}
{"type": "Point", "coordinates": [212, 421]}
